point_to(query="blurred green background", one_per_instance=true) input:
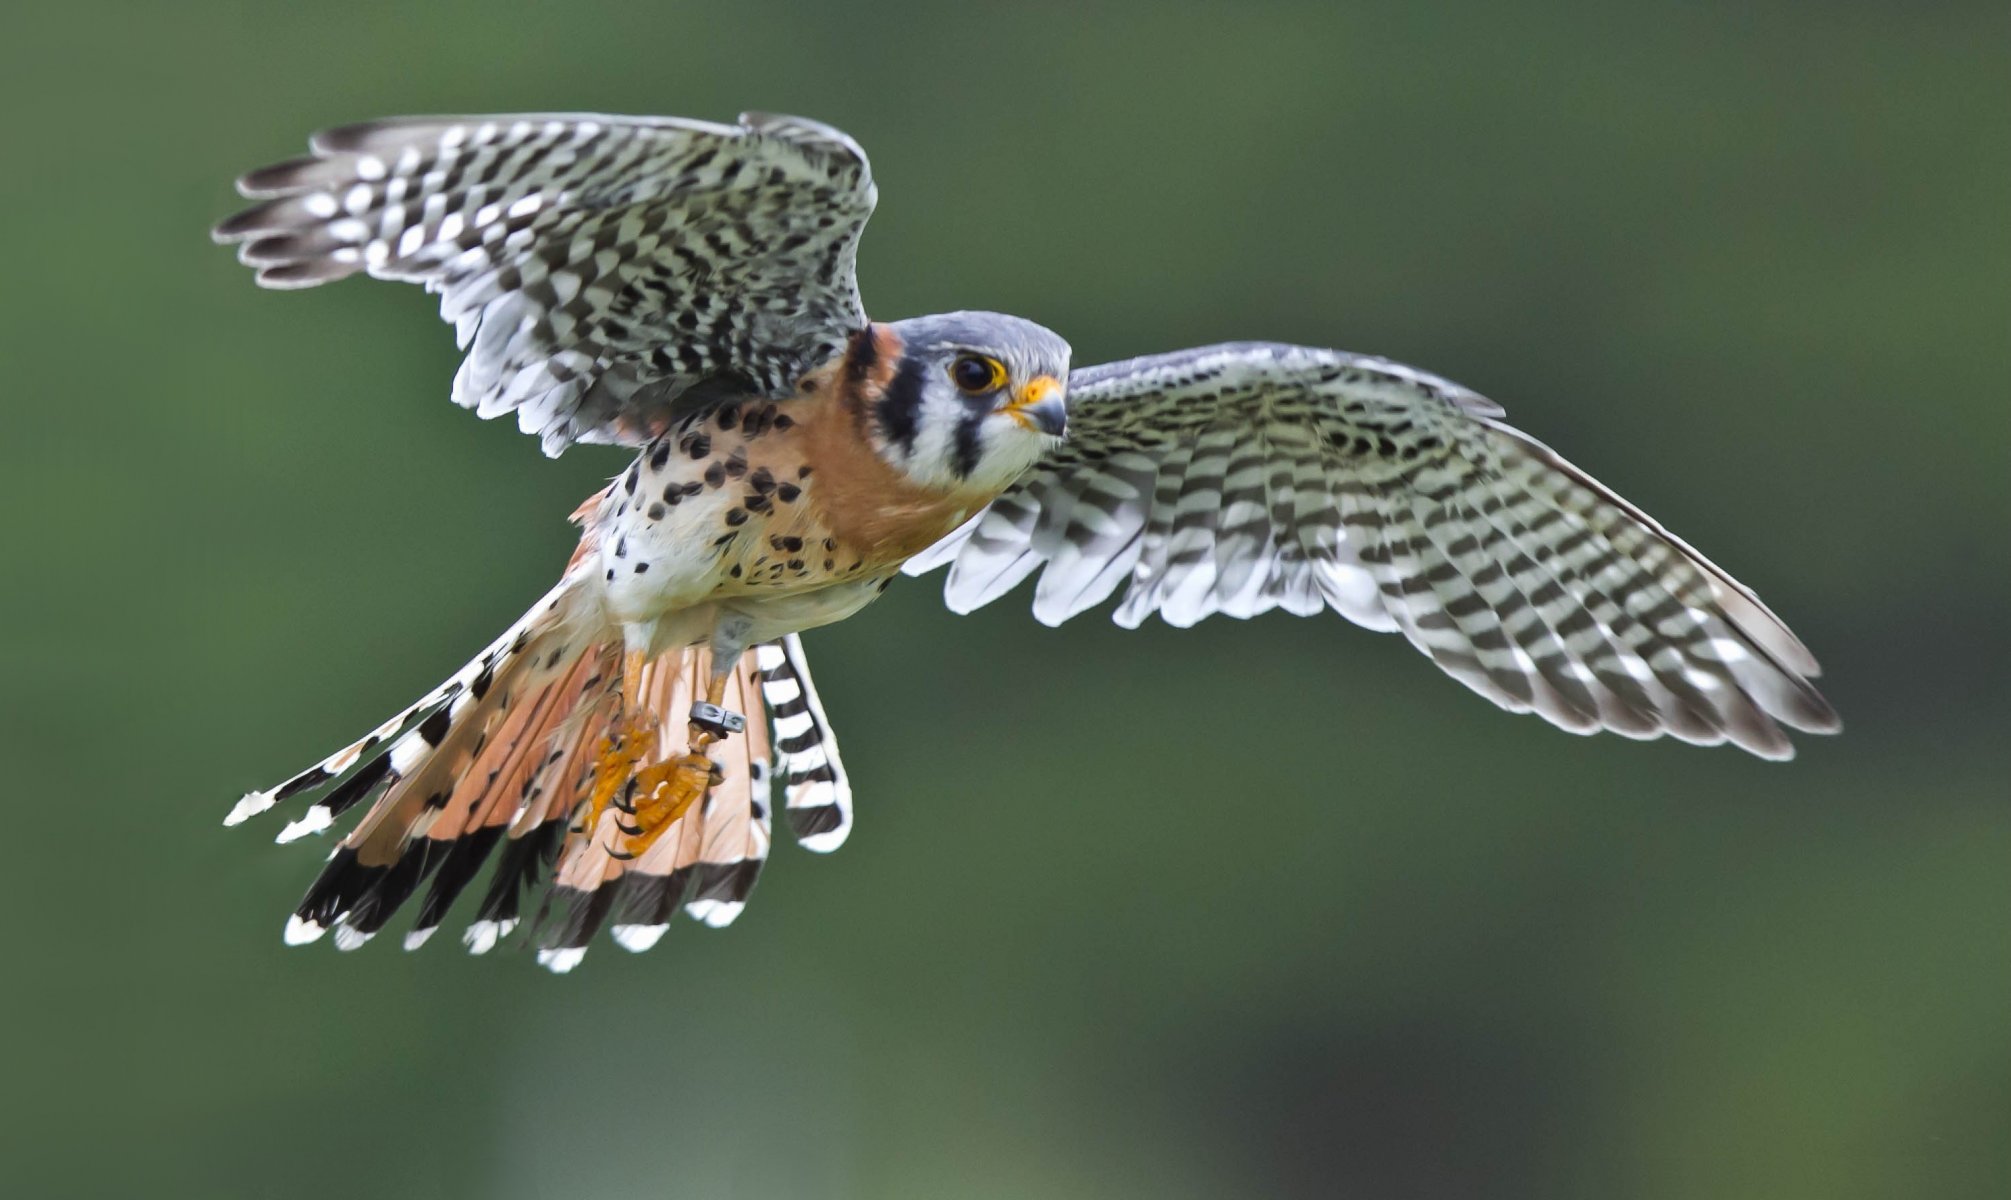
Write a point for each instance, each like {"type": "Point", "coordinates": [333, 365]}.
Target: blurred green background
{"type": "Point", "coordinates": [1091, 938]}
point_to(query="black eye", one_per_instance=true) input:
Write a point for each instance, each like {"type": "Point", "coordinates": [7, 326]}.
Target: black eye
{"type": "Point", "coordinates": [975, 373]}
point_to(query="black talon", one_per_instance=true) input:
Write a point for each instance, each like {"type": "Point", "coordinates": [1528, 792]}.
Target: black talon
{"type": "Point", "coordinates": [624, 799]}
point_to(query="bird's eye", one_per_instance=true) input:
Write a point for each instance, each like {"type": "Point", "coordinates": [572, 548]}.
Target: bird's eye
{"type": "Point", "coordinates": [974, 373]}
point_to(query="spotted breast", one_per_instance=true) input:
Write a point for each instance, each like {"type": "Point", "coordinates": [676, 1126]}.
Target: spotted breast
{"type": "Point", "coordinates": [780, 511]}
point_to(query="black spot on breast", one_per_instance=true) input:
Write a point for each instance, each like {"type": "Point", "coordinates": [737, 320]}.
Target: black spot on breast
{"type": "Point", "coordinates": [803, 472]}
{"type": "Point", "coordinates": [715, 475]}
{"type": "Point", "coordinates": [656, 511]}
{"type": "Point", "coordinates": [641, 567]}
{"type": "Point", "coordinates": [788, 492]}
{"type": "Point", "coordinates": [762, 481]}
{"type": "Point", "coordinates": [736, 516]}
{"type": "Point", "coordinates": [756, 502]}
{"type": "Point", "coordinates": [659, 456]}
{"type": "Point", "coordinates": [697, 445]}
{"type": "Point", "coordinates": [729, 415]}
{"type": "Point", "coordinates": [735, 572]}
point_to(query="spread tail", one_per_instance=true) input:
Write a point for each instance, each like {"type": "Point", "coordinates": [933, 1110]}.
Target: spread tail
{"type": "Point", "coordinates": [503, 754]}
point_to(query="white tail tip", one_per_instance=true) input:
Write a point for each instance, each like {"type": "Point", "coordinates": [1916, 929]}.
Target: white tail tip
{"type": "Point", "coordinates": [638, 938]}
{"type": "Point", "coordinates": [317, 819]}
{"type": "Point", "coordinates": [826, 842]}
{"type": "Point", "coordinates": [350, 938]}
{"type": "Point", "coordinates": [300, 931]}
{"type": "Point", "coordinates": [253, 804]}
{"type": "Point", "coordinates": [716, 913]}
{"type": "Point", "coordinates": [558, 962]}
{"type": "Point", "coordinates": [482, 936]}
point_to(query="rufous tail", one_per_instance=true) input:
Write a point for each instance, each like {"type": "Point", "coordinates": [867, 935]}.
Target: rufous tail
{"type": "Point", "coordinates": [503, 754]}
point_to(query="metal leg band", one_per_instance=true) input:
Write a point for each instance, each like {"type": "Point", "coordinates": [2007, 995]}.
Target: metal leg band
{"type": "Point", "coordinates": [716, 720]}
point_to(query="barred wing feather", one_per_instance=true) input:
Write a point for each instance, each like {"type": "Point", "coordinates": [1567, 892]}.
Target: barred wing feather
{"type": "Point", "coordinates": [1240, 478]}
{"type": "Point", "coordinates": [597, 270]}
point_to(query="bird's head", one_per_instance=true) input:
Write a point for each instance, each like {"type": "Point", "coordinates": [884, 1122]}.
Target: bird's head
{"type": "Point", "coordinates": [967, 401]}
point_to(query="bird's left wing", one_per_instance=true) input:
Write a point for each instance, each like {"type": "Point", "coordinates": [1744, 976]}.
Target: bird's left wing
{"type": "Point", "coordinates": [597, 270]}
{"type": "Point", "coordinates": [1241, 478]}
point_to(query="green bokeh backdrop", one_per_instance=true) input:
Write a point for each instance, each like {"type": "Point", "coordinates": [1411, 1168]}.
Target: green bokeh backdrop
{"type": "Point", "coordinates": [1265, 908]}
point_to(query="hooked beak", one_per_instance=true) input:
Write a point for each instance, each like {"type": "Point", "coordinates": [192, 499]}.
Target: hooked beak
{"type": "Point", "coordinates": [1037, 405]}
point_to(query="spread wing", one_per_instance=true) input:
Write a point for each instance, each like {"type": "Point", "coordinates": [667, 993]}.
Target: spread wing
{"type": "Point", "coordinates": [1241, 478]}
{"type": "Point", "coordinates": [596, 269]}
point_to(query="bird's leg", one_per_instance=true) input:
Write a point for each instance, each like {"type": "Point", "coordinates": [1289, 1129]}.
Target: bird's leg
{"type": "Point", "coordinates": [666, 791]}
{"type": "Point", "coordinates": [630, 737]}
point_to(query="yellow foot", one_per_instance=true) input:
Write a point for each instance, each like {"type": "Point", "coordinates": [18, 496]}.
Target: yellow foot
{"type": "Point", "coordinates": [624, 746]}
{"type": "Point", "coordinates": [661, 795]}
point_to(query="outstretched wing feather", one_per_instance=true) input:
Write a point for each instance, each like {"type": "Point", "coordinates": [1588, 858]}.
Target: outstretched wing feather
{"type": "Point", "coordinates": [1243, 477]}
{"type": "Point", "coordinates": [597, 269]}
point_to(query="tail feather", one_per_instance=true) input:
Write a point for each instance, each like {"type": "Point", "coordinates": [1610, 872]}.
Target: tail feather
{"type": "Point", "coordinates": [816, 792]}
{"type": "Point", "coordinates": [737, 824]}
{"type": "Point", "coordinates": [417, 775]}
{"type": "Point", "coordinates": [439, 708]}
{"type": "Point", "coordinates": [706, 862]}
{"type": "Point", "coordinates": [537, 832]}
{"type": "Point", "coordinates": [488, 796]}
{"type": "Point", "coordinates": [495, 764]}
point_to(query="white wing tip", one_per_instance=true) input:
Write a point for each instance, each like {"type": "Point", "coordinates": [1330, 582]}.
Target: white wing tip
{"type": "Point", "coordinates": [253, 804]}
{"type": "Point", "coordinates": [300, 931]}
{"type": "Point", "coordinates": [417, 937]}
{"type": "Point", "coordinates": [1051, 615]}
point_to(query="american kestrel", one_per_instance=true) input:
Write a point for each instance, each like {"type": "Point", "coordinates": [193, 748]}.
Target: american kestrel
{"type": "Point", "coordinates": [688, 289]}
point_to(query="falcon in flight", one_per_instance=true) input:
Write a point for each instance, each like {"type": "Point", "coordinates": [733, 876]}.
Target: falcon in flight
{"type": "Point", "coordinates": [688, 289]}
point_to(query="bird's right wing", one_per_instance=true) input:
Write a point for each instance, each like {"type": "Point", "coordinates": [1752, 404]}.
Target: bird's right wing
{"type": "Point", "coordinates": [1241, 478]}
{"type": "Point", "coordinates": [596, 269]}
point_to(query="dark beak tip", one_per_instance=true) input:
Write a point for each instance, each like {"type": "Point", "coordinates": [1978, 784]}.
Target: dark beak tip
{"type": "Point", "coordinates": [1052, 417]}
